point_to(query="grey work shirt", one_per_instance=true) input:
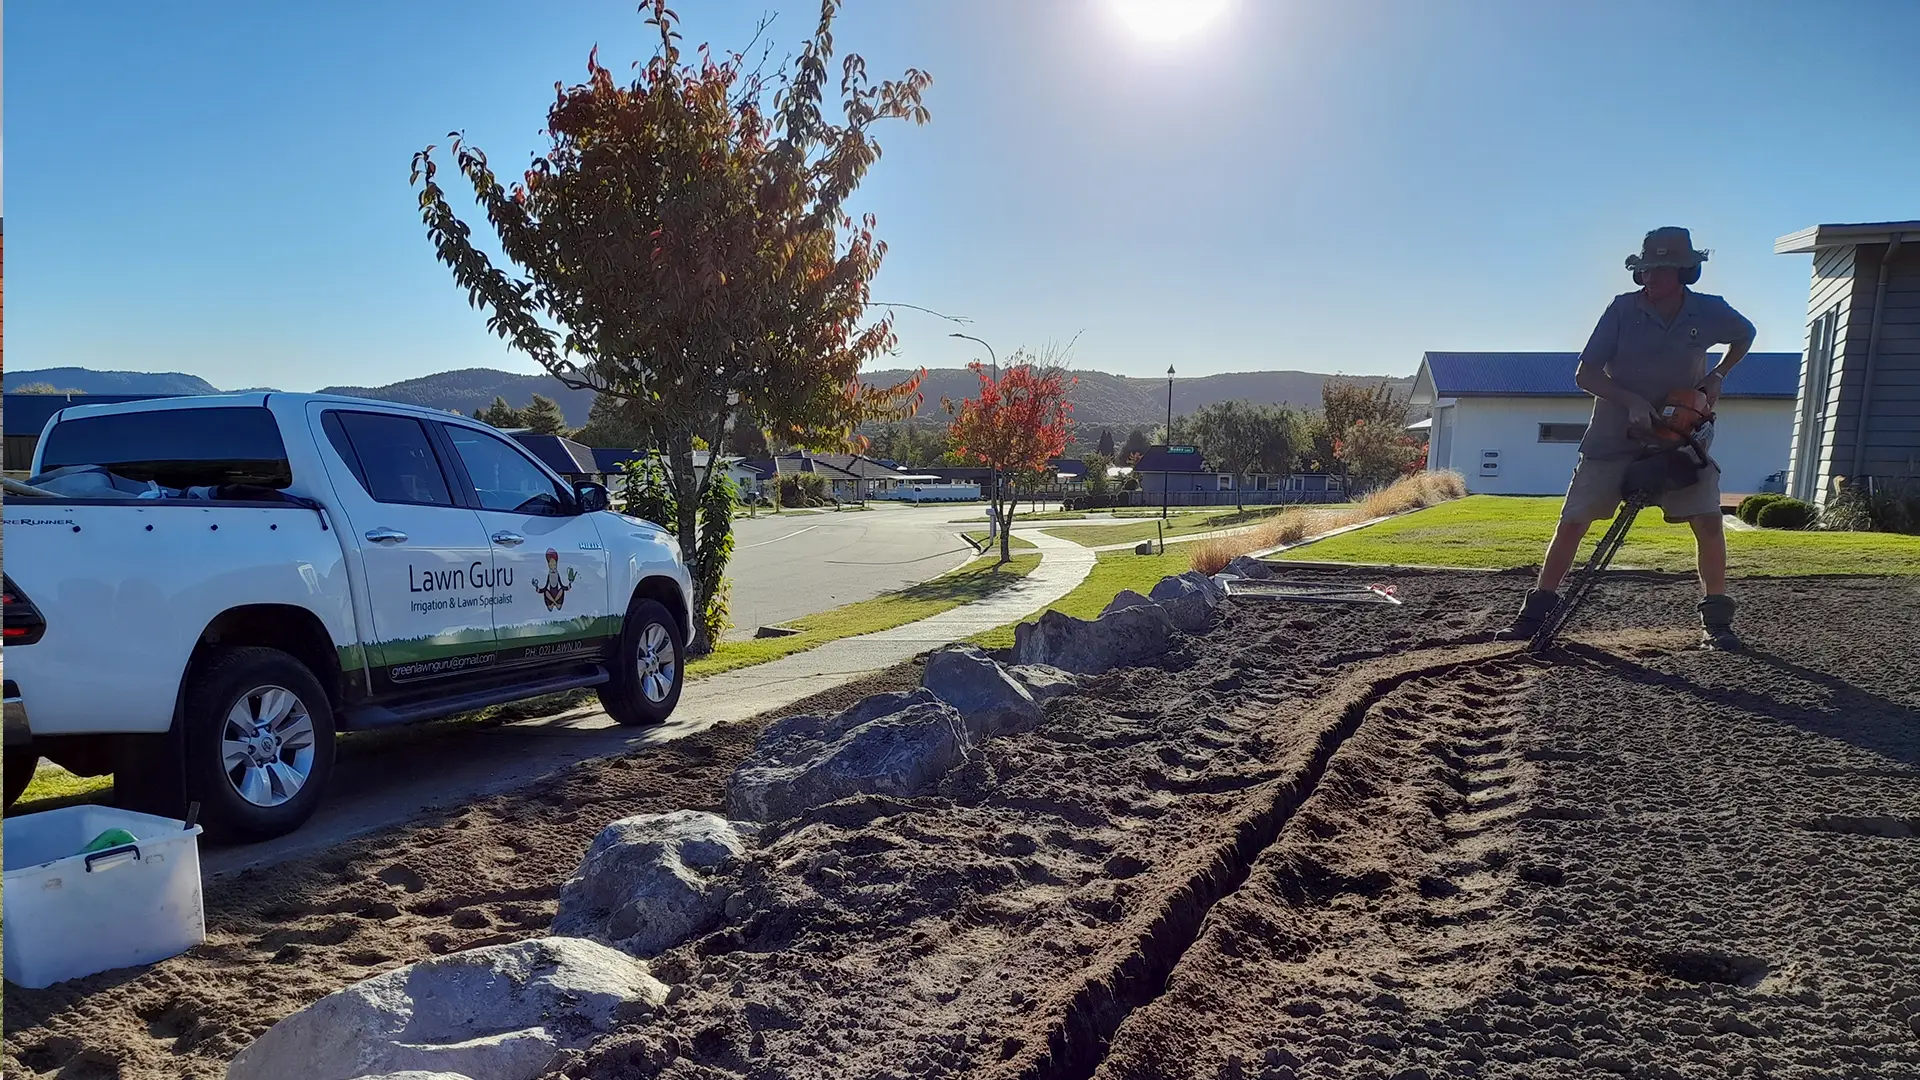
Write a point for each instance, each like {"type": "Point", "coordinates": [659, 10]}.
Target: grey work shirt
{"type": "Point", "coordinates": [1652, 358]}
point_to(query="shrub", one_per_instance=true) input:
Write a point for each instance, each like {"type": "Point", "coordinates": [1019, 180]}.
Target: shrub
{"type": "Point", "coordinates": [1212, 556]}
{"type": "Point", "coordinates": [1891, 505]}
{"type": "Point", "coordinates": [1294, 525]}
{"type": "Point", "coordinates": [646, 491]}
{"type": "Point", "coordinates": [801, 489]}
{"type": "Point", "coordinates": [1750, 506]}
{"type": "Point", "coordinates": [1785, 514]}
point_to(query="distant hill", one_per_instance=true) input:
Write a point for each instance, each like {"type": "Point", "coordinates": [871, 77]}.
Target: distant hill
{"type": "Point", "coordinates": [1122, 402]}
{"type": "Point", "coordinates": [475, 388]}
{"type": "Point", "coordinates": [1118, 402]}
{"type": "Point", "coordinates": [88, 381]}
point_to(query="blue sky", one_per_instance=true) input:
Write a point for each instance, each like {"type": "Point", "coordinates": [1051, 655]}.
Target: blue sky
{"type": "Point", "coordinates": [221, 187]}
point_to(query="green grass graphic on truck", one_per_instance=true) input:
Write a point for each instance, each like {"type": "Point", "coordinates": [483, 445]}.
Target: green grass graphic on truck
{"type": "Point", "coordinates": [480, 639]}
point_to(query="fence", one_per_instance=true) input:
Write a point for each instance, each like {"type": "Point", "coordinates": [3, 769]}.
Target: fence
{"type": "Point", "coordinates": [1201, 498]}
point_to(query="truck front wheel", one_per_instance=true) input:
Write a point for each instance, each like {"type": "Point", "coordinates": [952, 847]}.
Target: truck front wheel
{"type": "Point", "coordinates": [259, 742]}
{"type": "Point", "coordinates": [648, 666]}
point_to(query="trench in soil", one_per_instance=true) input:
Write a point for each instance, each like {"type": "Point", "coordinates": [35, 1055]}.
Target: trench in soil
{"type": "Point", "coordinates": [1078, 1043]}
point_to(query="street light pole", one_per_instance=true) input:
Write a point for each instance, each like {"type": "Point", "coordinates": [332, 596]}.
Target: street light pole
{"type": "Point", "coordinates": [993, 471]}
{"type": "Point", "coordinates": [1166, 478]}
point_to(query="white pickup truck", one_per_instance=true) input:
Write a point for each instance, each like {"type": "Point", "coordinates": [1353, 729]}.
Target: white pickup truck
{"type": "Point", "coordinates": [252, 573]}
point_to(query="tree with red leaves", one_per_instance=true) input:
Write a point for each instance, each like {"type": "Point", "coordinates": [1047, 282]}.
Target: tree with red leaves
{"type": "Point", "coordinates": [1016, 425]}
{"type": "Point", "coordinates": [683, 247]}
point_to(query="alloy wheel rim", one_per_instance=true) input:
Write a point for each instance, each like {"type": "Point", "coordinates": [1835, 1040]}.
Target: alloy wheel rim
{"type": "Point", "coordinates": [267, 746]}
{"type": "Point", "coordinates": [659, 664]}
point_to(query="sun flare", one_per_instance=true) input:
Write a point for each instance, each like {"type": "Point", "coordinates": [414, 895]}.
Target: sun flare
{"type": "Point", "coordinates": [1167, 21]}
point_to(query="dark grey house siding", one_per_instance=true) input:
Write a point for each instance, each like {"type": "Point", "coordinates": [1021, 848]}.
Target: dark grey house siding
{"type": "Point", "coordinates": [1893, 399]}
{"type": "Point", "coordinates": [1829, 310]}
{"type": "Point", "coordinates": [1834, 378]}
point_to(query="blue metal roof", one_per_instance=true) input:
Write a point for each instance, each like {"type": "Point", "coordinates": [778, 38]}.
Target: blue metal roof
{"type": "Point", "coordinates": [561, 454]}
{"type": "Point", "coordinates": [1550, 374]}
{"type": "Point", "coordinates": [609, 461]}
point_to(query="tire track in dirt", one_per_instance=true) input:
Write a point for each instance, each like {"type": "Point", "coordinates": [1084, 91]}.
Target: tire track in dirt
{"type": "Point", "coordinates": [1077, 1036]}
{"type": "Point", "coordinates": [1393, 883]}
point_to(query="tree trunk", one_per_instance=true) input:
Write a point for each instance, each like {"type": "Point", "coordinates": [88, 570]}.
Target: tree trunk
{"type": "Point", "coordinates": [1003, 511]}
{"type": "Point", "coordinates": [687, 513]}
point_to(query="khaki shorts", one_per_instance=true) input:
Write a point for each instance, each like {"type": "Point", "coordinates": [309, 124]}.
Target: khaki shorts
{"type": "Point", "coordinates": [1594, 494]}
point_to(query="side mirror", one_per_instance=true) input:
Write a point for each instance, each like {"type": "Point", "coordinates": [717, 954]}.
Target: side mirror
{"type": "Point", "coordinates": [591, 496]}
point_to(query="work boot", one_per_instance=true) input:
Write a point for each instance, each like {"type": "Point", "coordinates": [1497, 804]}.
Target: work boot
{"type": "Point", "coordinates": [1716, 623]}
{"type": "Point", "coordinates": [1533, 615]}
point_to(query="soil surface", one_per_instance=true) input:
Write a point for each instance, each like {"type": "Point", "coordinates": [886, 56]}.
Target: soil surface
{"type": "Point", "coordinates": [280, 939]}
{"type": "Point", "coordinates": [1317, 841]}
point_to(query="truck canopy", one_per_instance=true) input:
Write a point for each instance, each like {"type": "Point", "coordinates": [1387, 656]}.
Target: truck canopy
{"type": "Point", "coordinates": [213, 446]}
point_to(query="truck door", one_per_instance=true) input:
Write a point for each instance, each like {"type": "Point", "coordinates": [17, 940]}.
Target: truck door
{"type": "Point", "coordinates": [426, 560]}
{"type": "Point", "coordinates": [554, 606]}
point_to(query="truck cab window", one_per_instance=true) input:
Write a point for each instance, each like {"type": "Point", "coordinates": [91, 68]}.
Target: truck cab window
{"type": "Point", "coordinates": [503, 477]}
{"type": "Point", "coordinates": [391, 456]}
{"type": "Point", "coordinates": [175, 447]}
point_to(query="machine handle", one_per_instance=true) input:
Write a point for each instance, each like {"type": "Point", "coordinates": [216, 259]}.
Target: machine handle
{"type": "Point", "coordinates": [112, 857]}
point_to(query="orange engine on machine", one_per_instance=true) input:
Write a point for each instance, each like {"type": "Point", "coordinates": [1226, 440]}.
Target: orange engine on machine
{"type": "Point", "coordinates": [1681, 414]}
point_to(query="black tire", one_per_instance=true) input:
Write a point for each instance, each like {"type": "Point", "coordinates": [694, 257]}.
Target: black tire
{"type": "Point", "coordinates": [18, 763]}
{"type": "Point", "coordinates": [629, 697]}
{"type": "Point", "coordinates": [218, 689]}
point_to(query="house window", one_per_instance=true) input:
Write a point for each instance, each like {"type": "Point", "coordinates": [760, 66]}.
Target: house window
{"type": "Point", "coordinates": [1226, 482]}
{"type": "Point", "coordinates": [1562, 433]}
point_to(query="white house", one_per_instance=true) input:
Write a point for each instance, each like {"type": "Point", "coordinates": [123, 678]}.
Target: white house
{"type": "Point", "coordinates": [1511, 423]}
{"type": "Point", "coordinates": [746, 479]}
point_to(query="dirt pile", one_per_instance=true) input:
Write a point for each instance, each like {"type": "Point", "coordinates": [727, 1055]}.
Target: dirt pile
{"type": "Point", "coordinates": [280, 939]}
{"type": "Point", "coordinates": [1316, 841]}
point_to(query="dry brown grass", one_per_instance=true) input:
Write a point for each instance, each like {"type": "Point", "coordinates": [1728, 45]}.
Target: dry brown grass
{"type": "Point", "coordinates": [1292, 526]}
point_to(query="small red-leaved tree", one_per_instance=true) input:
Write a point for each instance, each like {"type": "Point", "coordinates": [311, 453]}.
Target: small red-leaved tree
{"type": "Point", "coordinates": [1016, 425]}
{"type": "Point", "coordinates": [1374, 454]}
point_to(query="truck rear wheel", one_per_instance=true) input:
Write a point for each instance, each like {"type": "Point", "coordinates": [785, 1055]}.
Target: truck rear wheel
{"type": "Point", "coordinates": [647, 668]}
{"type": "Point", "coordinates": [259, 741]}
{"type": "Point", "coordinates": [19, 764]}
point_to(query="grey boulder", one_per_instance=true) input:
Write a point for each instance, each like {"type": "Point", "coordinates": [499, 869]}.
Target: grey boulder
{"type": "Point", "coordinates": [990, 701]}
{"type": "Point", "coordinates": [887, 744]}
{"type": "Point", "coordinates": [1247, 567]}
{"type": "Point", "coordinates": [1121, 637]}
{"type": "Point", "coordinates": [499, 1013]}
{"type": "Point", "coordinates": [1190, 599]}
{"type": "Point", "coordinates": [652, 881]}
{"type": "Point", "coordinates": [1044, 681]}
{"type": "Point", "coordinates": [1125, 598]}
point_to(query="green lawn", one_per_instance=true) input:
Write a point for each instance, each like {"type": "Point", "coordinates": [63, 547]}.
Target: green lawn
{"type": "Point", "coordinates": [1497, 533]}
{"type": "Point", "coordinates": [1180, 525]}
{"type": "Point", "coordinates": [976, 580]}
{"type": "Point", "coordinates": [1112, 572]}
{"type": "Point", "coordinates": [53, 786]}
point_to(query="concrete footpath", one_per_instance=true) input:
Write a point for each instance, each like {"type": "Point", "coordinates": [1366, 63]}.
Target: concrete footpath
{"type": "Point", "coordinates": [446, 770]}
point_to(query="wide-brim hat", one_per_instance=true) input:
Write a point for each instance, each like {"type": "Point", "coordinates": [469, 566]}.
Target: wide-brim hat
{"type": "Point", "coordinates": [1671, 246]}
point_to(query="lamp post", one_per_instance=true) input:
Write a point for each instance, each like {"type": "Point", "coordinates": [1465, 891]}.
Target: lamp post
{"type": "Point", "coordinates": [1166, 477]}
{"type": "Point", "coordinates": [993, 471]}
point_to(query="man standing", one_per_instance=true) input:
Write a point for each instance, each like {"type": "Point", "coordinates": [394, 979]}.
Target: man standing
{"type": "Point", "coordinates": [1648, 344]}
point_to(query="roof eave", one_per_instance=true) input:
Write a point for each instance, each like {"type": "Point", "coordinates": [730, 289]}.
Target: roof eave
{"type": "Point", "coordinates": [1815, 237]}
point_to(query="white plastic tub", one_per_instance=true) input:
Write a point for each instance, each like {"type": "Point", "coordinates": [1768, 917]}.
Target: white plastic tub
{"type": "Point", "coordinates": [70, 915]}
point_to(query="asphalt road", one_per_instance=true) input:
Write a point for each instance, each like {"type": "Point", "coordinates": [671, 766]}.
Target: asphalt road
{"type": "Point", "coordinates": [793, 564]}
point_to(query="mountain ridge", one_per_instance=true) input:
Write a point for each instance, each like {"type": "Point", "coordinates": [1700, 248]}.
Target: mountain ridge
{"type": "Point", "coordinates": [1100, 399]}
